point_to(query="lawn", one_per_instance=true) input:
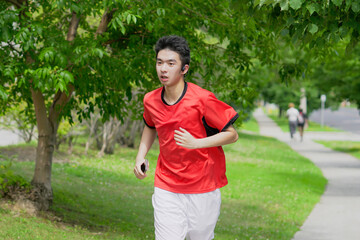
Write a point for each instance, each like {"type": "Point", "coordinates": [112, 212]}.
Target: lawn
{"type": "Point", "coordinates": [350, 147]}
{"type": "Point", "coordinates": [251, 125]}
{"type": "Point", "coordinates": [270, 193]}
{"type": "Point", "coordinates": [312, 127]}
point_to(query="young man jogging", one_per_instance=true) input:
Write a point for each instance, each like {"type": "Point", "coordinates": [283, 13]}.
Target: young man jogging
{"type": "Point", "coordinates": [192, 125]}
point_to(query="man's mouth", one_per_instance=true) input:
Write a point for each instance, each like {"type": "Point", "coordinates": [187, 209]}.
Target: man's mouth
{"type": "Point", "coordinates": [164, 78]}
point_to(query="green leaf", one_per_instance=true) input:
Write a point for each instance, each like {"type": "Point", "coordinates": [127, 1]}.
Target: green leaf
{"type": "Point", "coordinates": [284, 5]}
{"type": "Point", "coordinates": [119, 22]}
{"type": "Point", "coordinates": [313, 7]}
{"type": "Point", "coordinates": [5, 34]}
{"type": "Point", "coordinates": [160, 11]}
{"type": "Point", "coordinates": [313, 28]}
{"type": "Point", "coordinates": [122, 29]}
{"type": "Point", "coordinates": [355, 7]}
{"type": "Point", "coordinates": [348, 4]}
{"type": "Point", "coordinates": [296, 4]}
{"type": "Point", "coordinates": [9, 73]}
{"type": "Point", "coordinates": [100, 53]}
{"type": "Point", "coordinates": [256, 2]}
{"type": "Point", "coordinates": [134, 18]}
{"type": "Point", "coordinates": [47, 55]}
{"type": "Point", "coordinates": [337, 2]}
{"type": "Point", "coordinates": [128, 18]}
{"type": "Point", "coordinates": [62, 86]}
{"type": "Point", "coordinates": [67, 76]}
{"type": "Point", "coordinates": [3, 94]}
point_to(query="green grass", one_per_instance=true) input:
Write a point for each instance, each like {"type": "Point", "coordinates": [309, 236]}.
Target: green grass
{"type": "Point", "coordinates": [312, 127]}
{"type": "Point", "coordinates": [270, 193]}
{"type": "Point", "coordinates": [350, 147]}
{"type": "Point", "coordinates": [250, 125]}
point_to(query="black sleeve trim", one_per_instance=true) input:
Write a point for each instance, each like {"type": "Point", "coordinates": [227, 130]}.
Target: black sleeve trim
{"type": "Point", "coordinates": [230, 122]}
{"type": "Point", "coordinates": [148, 124]}
{"type": "Point", "coordinates": [209, 130]}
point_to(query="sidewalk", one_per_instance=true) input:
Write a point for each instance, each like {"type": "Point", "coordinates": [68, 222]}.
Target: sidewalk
{"type": "Point", "coordinates": [8, 138]}
{"type": "Point", "coordinates": [337, 215]}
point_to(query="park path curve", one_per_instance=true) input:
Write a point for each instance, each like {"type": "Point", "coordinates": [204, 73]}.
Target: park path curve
{"type": "Point", "coordinates": [337, 215]}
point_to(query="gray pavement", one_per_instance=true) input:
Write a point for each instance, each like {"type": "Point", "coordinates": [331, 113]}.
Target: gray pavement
{"type": "Point", "coordinates": [344, 118]}
{"type": "Point", "coordinates": [337, 215]}
{"type": "Point", "coordinates": [8, 138]}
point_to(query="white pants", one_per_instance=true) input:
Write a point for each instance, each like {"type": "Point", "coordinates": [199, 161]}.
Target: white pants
{"type": "Point", "coordinates": [191, 216]}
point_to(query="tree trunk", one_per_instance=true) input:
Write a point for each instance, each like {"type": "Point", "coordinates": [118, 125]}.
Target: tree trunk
{"type": "Point", "coordinates": [42, 175]}
{"type": "Point", "coordinates": [110, 130]}
{"type": "Point", "coordinates": [70, 144]}
{"type": "Point", "coordinates": [103, 147]}
{"type": "Point", "coordinates": [133, 132]}
{"type": "Point", "coordinates": [46, 143]}
{"type": "Point", "coordinates": [93, 125]}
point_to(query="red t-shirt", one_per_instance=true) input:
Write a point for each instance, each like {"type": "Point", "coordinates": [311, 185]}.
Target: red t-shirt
{"type": "Point", "coordinates": [198, 111]}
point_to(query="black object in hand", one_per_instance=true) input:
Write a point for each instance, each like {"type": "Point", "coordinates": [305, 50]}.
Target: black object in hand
{"type": "Point", "coordinates": [143, 168]}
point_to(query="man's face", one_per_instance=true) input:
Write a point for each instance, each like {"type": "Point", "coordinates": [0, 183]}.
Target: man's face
{"type": "Point", "coordinates": [168, 67]}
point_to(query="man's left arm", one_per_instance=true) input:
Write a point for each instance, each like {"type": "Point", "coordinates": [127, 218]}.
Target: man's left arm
{"type": "Point", "coordinates": [185, 139]}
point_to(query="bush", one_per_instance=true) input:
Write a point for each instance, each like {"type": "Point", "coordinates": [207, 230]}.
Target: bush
{"type": "Point", "coordinates": [12, 185]}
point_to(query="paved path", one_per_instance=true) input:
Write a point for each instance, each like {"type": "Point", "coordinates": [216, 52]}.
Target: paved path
{"type": "Point", "coordinates": [8, 138]}
{"type": "Point", "coordinates": [337, 215]}
{"type": "Point", "coordinates": [347, 119]}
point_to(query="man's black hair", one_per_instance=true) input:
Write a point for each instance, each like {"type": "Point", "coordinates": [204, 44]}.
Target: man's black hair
{"type": "Point", "coordinates": [177, 44]}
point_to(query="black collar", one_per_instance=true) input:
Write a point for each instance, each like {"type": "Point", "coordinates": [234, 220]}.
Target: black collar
{"type": "Point", "coordinates": [182, 95]}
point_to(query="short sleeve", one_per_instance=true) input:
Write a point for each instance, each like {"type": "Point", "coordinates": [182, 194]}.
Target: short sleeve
{"type": "Point", "coordinates": [147, 117]}
{"type": "Point", "coordinates": [218, 114]}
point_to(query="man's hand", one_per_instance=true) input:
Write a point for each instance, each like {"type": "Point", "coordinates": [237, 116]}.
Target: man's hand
{"type": "Point", "coordinates": [137, 169]}
{"type": "Point", "coordinates": [185, 139]}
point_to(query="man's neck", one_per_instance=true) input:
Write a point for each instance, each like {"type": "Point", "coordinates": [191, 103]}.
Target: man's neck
{"type": "Point", "coordinates": [173, 93]}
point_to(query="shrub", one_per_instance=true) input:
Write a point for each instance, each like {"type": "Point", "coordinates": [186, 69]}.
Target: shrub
{"type": "Point", "coordinates": [12, 185]}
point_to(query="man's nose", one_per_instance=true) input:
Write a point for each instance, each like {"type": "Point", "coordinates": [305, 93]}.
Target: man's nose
{"type": "Point", "coordinates": [164, 68]}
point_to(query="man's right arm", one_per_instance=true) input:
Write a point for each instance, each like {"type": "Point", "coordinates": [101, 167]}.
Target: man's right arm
{"type": "Point", "coordinates": [147, 139]}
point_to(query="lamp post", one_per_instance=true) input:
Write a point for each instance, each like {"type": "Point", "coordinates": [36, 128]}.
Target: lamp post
{"type": "Point", "coordinates": [323, 100]}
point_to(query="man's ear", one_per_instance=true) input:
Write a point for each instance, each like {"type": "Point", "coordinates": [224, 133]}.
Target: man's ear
{"type": "Point", "coordinates": [185, 69]}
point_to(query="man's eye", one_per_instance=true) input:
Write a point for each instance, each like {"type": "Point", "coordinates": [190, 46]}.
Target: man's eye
{"type": "Point", "coordinates": [158, 63]}
{"type": "Point", "coordinates": [171, 64]}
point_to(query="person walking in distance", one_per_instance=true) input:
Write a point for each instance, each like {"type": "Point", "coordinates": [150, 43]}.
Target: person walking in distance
{"type": "Point", "coordinates": [302, 121]}
{"type": "Point", "coordinates": [292, 114]}
{"type": "Point", "coordinates": [192, 125]}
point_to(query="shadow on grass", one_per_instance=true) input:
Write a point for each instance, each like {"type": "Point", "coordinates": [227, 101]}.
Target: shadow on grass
{"type": "Point", "coordinates": [347, 150]}
{"type": "Point", "coordinates": [100, 200]}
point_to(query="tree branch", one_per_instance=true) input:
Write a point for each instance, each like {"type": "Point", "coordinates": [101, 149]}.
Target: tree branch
{"type": "Point", "coordinates": [105, 20]}
{"type": "Point", "coordinates": [190, 10]}
{"type": "Point", "coordinates": [60, 100]}
{"type": "Point", "coordinates": [40, 111]}
{"type": "Point", "coordinates": [17, 4]}
{"type": "Point", "coordinates": [74, 24]}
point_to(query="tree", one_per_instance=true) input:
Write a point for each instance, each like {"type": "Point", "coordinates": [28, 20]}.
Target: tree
{"type": "Point", "coordinates": [338, 75]}
{"type": "Point", "coordinates": [328, 31]}
{"type": "Point", "coordinates": [62, 55]}
{"type": "Point", "coordinates": [47, 66]}
{"type": "Point", "coordinates": [315, 24]}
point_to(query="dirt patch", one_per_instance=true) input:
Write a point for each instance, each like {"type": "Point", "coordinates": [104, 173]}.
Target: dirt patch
{"type": "Point", "coordinates": [22, 154]}
{"type": "Point", "coordinates": [20, 205]}
{"type": "Point", "coordinates": [28, 153]}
